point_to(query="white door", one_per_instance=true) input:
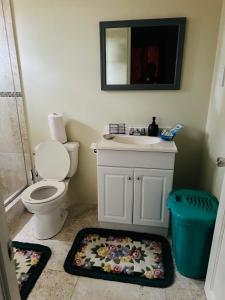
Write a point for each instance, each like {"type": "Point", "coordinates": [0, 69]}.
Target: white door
{"type": "Point", "coordinates": [8, 283]}
{"type": "Point", "coordinates": [151, 189]}
{"type": "Point", "coordinates": [215, 279]}
{"type": "Point", "coordinates": [115, 194]}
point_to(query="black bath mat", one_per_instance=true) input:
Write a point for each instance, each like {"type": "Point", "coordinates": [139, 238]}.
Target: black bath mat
{"type": "Point", "coordinates": [30, 260]}
{"type": "Point", "coordinates": [132, 257]}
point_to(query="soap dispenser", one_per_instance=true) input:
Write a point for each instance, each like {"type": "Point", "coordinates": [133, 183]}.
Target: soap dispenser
{"type": "Point", "coordinates": [153, 128]}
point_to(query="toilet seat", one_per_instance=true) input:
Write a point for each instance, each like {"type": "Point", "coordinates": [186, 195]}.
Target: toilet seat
{"type": "Point", "coordinates": [52, 163]}
{"type": "Point", "coordinates": [52, 160]}
{"type": "Point", "coordinates": [41, 185]}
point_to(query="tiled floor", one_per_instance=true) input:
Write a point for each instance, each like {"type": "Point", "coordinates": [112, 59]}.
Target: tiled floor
{"type": "Point", "coordinates": [55, 284]}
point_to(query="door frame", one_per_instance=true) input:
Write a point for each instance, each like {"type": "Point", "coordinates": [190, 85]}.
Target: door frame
{"type": "Point", "coordinates": [8, 283]}
{"type": "Point", "coordinates": [218, 236]}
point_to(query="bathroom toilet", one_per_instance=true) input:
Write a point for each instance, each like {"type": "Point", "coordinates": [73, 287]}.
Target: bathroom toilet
{"type": "Point", "coordinates": [56, 163]}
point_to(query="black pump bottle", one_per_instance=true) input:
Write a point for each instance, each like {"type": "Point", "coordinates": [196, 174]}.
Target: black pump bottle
{"type": "Point", "coordinates": [153, 128]}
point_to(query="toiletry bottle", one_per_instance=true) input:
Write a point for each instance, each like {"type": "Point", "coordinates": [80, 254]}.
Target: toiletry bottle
{"type": "Point", "coordinates": [153, 128]}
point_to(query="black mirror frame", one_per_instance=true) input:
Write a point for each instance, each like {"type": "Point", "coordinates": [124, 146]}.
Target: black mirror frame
{"type": "Point", "coordinates": [181, 22]}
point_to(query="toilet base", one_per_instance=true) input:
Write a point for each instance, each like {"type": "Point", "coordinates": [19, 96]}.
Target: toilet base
{"type": "Point", "coordinates": [48, 225]}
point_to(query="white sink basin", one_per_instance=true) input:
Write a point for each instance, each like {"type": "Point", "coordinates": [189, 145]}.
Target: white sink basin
{"type": "Point", "coordinates": [136, 140]}
{"type": "Point", "coordinates": [134, 143]}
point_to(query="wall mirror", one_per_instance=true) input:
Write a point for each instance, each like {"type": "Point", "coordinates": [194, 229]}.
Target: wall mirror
{"type": "Point", "coordinates": [142, 54]}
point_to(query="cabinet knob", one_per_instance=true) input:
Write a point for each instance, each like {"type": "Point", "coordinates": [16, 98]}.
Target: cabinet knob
{"type": "Point", "coordinates": [129, 178]}
{"type": "Point", "coordinates": [138, 178]}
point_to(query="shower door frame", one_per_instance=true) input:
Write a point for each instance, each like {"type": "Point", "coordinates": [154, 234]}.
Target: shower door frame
{"type": "Point", "coordinates": [16, 93]}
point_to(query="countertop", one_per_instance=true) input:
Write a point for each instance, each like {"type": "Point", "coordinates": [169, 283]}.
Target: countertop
{"type": "Point", "coordinates": [159, 146]}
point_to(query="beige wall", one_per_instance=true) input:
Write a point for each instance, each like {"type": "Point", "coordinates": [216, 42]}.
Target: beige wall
{"type": "Point", "coordinates": [59, 50]}
{"type": "Point", "coordinates": [214, 144]}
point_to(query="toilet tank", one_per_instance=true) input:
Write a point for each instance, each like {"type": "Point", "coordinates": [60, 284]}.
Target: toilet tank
{"type": "Point", "coordinates": [72, 148]}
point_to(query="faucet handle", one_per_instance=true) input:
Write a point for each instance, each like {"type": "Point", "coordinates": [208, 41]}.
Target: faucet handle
{"type": "Point", "coordinates": [142, 131]}
{"type": "Point", "coordinates": [131, 132]}
{"type": "Point", "coordinates": [137, 131]}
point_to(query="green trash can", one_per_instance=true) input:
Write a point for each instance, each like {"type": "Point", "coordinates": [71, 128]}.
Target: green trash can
{"type": "Point", "coordinates": [193, 215]}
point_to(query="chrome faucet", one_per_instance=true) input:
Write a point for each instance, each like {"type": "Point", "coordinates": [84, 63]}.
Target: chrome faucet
{"type": "Point", "coordinates": [131, 132]}
{"type": "Point", "coordinates": [137, 131]}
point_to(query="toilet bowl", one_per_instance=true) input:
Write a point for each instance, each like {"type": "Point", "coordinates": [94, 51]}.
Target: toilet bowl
{"type": "Point", "coordinates": [55, 163]}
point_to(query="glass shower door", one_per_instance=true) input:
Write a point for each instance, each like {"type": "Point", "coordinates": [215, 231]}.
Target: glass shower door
{"type": "Point", "coordinates": [13, 174]}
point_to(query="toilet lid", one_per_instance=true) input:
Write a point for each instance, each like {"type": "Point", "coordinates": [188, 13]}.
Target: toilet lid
{"type": "Point", "coordinates": [52, 160]}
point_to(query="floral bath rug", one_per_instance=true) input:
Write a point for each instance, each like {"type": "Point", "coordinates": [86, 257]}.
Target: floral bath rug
{"type": "Point", "coordinates": [132, 257]}
{"type": "Point", "coordinates": [30, 260]}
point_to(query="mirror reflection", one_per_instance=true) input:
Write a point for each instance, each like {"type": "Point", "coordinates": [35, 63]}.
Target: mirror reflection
{"type": "Point", "coordinates": [142, 55]}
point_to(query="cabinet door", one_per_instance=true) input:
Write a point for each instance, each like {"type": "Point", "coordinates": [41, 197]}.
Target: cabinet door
{"type": "Point", "coordinates": [151, 189]}
{"type": "Point", "coordinates": [115, 194]}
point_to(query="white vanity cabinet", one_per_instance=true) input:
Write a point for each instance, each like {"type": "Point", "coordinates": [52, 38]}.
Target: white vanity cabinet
{"type": "Point", "coordinates": [134, 195]}
{"type": "Point", "coordinates": [133, 187]}
{"type": "Point", "coordinates": [151, 188]}
{"type": "Point", "coordinates": [115, 194]}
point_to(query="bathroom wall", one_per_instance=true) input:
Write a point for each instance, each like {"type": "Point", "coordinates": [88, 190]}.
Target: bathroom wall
{"type": "Point", "coordinates": [58, 43]}
{"type": "Point", "coordinates": [214, 143]}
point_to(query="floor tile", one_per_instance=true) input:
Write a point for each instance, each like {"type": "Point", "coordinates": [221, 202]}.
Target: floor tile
{"type": "Point", "coordinates": [184, 294]}
{"type": "Point", "coordinates": [150, 293]}
{"type": "Point", "coordinates": [83, 211]}
{"type": "Point", "coordinates": [182, 282]}
{"type": "Point", "coordinates": [59, 248]}
{"type": "Point", "coordinates": [75, 223]}
{"type": "Point", "coordinates": [95, 289]}
{"type": "Point", "coordinates": [17, 224]}
{"type": "Point", "coordinates": [55, 285]}
{"type": "Point", "coordinates": [59, 252]}
{"type": "Point", "coordinates": [26, 233]}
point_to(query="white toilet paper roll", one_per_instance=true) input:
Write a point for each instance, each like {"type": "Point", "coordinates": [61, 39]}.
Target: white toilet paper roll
{"type": "Point", "coordinates": [57, 128]}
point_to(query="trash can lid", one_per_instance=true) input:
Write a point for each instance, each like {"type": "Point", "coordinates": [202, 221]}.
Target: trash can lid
{"type": "Point", "coordinates": [191, 204]}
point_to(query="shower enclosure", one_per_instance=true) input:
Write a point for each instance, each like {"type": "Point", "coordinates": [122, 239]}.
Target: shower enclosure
{"type": "Point", "coordinates": [15, 163]}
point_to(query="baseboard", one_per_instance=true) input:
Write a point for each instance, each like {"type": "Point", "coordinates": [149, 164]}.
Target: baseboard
{"type": "Point", "coordinates": [138, 228]}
